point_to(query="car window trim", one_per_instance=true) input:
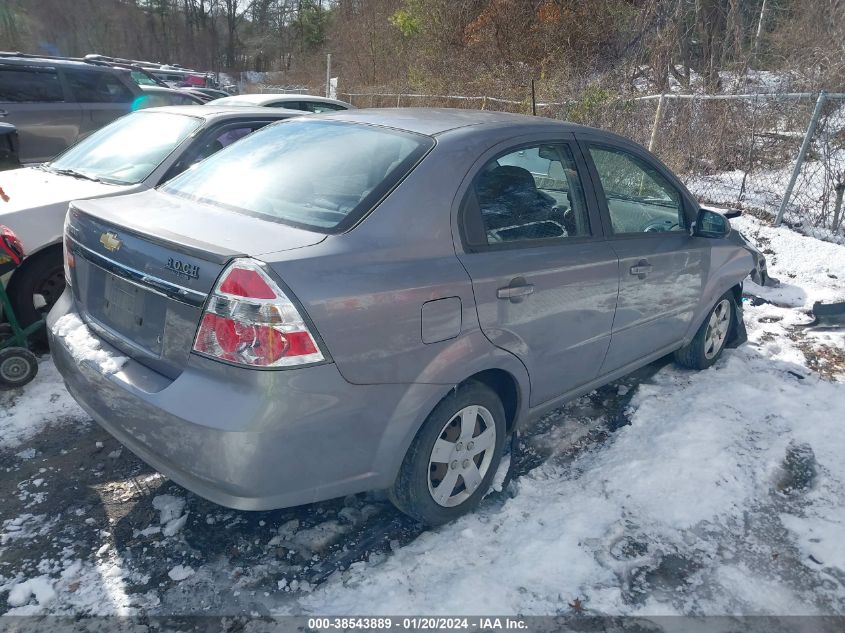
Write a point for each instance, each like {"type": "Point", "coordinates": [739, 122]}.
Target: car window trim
{"type": "Point", "coordinates": [508, 147]}
{"type": "Point", "coordinates": [586, 140]}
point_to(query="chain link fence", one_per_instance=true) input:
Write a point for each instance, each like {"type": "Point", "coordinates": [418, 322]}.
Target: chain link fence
{"type": "Point", "coordinates": [779, 156]}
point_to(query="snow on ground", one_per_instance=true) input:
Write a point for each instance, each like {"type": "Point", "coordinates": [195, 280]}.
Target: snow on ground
{"type": "Point", "coordinates": [694, 490]}
{"type": "Point", "coordinates": [45, 401]}
{"type": "Point", "coordinates": [714, 492]}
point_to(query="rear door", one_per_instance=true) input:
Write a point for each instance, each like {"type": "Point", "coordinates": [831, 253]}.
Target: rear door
{"type": "Point", "coordinates": [661, 267]}
{"type": "Point", "coordinates": [33, 100]}
{"type": "Point", "coordinates": [102, 97]}
{"type": "Point", "coordinates": [544, 278]}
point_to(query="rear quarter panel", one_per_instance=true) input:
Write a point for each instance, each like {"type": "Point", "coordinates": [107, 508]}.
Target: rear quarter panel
{"type": "Point", "coordinates": [365, 289]}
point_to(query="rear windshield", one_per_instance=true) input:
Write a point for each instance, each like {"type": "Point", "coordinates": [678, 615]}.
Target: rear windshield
{"type": "Point", "coordinates": [318, 175]}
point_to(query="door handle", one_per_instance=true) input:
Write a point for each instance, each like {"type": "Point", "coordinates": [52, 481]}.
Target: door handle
{"type": "Point", "coordinates": [4, 113]}
{"type": "Point", "coordinates": [642, 269]}
{"type": "Point", "coordinates": [516, 291]}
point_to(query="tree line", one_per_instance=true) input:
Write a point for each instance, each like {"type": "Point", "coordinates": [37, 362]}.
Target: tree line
{"type": "Point", "coordinates": [494, 46]}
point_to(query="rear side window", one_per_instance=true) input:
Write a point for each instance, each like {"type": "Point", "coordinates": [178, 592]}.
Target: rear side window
{"type": "Point", "coordinates": [533, 193]}
{"type": "Point", "coordinates": [97, 87]}
{"type": "Point", "coordinates": [290, 105]}
{"type": "Point", "coordinates": [30, 85]}
{"type": "Point", "coordinates": [318, 175]}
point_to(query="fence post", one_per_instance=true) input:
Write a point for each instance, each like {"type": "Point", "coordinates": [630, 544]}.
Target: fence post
{"type": "Point", "coordinates": [328, 74]}
{"type": "Point", "coordinates": [802, 153]}
{"type": "Point", "coordinates": [840, 190]}
{"type": "Point", "coordinates": [657, 116]}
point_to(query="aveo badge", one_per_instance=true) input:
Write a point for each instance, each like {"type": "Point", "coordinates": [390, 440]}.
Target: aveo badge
{"type": "Point", "coordinates": [182, 268]}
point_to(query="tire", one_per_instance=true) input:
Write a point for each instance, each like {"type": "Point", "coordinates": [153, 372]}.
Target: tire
{"type": "Point", "coordinates": [18, 366]}
{"type": "Point", "coordinates": [709, 342]}
{"type": "Point", "coordinates": [447, 448]}
{"type": "Point", "coordinates": [42, 274]}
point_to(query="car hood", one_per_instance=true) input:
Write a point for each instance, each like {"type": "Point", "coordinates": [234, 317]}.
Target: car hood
{"type": "Point", "coordinates": [36, 201]}
{"type": "Point", "coordinates": [29, 187]}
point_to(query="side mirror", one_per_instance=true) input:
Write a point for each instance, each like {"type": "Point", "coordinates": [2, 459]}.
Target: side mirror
{"type": "Point", "coordinates": [710, 224]}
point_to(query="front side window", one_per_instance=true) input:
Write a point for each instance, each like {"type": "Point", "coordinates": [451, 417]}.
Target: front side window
{"type": "Point", "coordinates": [127, 150]}
{"type": "Point", "coordinates": [29, 86]}
{"type": "Point", "coordinates": [211, 143]}
{"type": "Point", "coordinates": [318, 175]}
{"type": "Point", "coordinates": [639, 199]}
{"type": "Point", "coordinates": [533, 193]}
{"type": "Point", "coordinates": [97, 87]}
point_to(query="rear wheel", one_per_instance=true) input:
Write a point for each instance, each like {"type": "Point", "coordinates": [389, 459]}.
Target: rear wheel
{"type": "Point", "coordinates": [18, 366]}
{"type": "Point", "coordinates": [453, 459]}
{"type": "Point", "coordinates": [36, 286]}
{"type": "Point", "coordinates": [709, 342]}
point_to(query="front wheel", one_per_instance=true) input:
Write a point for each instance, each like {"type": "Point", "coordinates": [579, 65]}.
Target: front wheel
{"type": "Point", "coordinates": [453, 459]}
{"type": "Point", "coordinates": [709, 342]}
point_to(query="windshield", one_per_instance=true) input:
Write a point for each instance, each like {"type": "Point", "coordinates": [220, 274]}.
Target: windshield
{"type": "Point", "coordinates": [129, 149]}
{"type": "Point", "coordinates": [318, 175]}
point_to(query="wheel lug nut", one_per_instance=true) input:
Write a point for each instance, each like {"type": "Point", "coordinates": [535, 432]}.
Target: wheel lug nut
{"type": "Point", "coordinates": [459, 446]}
{"type": "Point", "coordinates": [470, 445]}
{"type": "Point", "coordinates": [454, 465]}
{"type": "Point", "coordinates": [465, 463]}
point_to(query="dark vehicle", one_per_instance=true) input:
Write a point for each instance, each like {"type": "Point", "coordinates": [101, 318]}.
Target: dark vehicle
{"type": "Point", "coordinates": [54, 102]}
{"type": "Point", "coordinates": [378, 299]}
{"type": "Point", "coordinates": [9, 146]}
{"type": "Point", "coordinates": [211, 93]}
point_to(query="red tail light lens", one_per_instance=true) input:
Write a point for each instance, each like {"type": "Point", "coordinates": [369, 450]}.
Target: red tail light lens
{"type": "Point", "coordinates": [249, 321]}
{"type": "Point", "coordinates": [69, 257]}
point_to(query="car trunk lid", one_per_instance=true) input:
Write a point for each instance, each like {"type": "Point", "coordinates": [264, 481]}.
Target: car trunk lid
{"type": "Point", "coordinates": [146, 263]}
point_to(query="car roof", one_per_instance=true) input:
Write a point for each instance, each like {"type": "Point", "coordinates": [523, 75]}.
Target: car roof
{"type": "Point", "coordinates": [34, 60]}
{"type": "Point", "coordinates": [434, 121]}
{"type": "Point", "coordinates": [228, 112]}
{"type": "Point", "coordinates": [268, 97]}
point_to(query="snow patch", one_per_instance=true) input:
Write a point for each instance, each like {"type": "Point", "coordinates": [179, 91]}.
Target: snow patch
{"type": "Point", "coordinates": [83, 346]}
{"type": "Point", "coordinates": [180, 573]}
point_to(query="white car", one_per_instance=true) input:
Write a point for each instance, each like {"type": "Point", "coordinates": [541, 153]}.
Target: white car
{"type": "Point", "coordinates": [136, 152]}
{"type": "Point", "coordinates": [306, 103]}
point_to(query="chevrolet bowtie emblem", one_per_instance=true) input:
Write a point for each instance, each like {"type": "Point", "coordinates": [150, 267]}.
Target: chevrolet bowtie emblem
{"type": "Point", "coordinates": [110, 241]}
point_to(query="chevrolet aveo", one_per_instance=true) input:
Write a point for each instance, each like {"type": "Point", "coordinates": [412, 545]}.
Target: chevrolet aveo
{"type": "Point", "coordinates": [379, 299]}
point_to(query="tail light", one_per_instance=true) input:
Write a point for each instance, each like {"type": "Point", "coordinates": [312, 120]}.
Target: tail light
{"type": "Point", "coordinates": [69, 258]}
{"type": "Point", "coordinates": [248, 320]}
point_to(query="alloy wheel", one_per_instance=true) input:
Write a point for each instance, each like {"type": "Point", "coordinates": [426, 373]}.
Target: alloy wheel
{"type": "Point", "coordinates": [461, 456]}
{"type": "Point", "coordinates": [717, 329]}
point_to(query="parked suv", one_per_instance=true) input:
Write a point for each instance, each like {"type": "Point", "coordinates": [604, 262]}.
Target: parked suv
{"type": "Point", "coordinates": [55, 102]}
{"type": "Point", "coordinates": [379, 298]}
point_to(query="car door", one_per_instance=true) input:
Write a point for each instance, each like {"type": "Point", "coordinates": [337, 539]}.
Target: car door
{"type": "Point", "coordinates": [102, 97]}
{"type": "Point", "coordinates": [33, 100]}
{"type": "Point", "coordinates": [662, 269]}
{"type": "Point", "coordinates": [544, 278]}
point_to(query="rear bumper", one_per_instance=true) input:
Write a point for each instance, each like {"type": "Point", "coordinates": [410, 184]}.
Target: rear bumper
{"type": "Point", "coordinates": [248, 439]}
